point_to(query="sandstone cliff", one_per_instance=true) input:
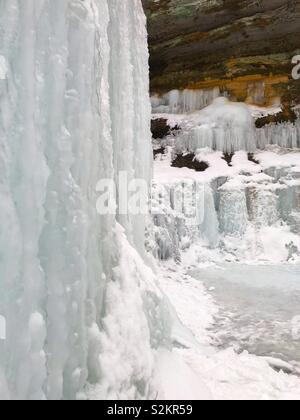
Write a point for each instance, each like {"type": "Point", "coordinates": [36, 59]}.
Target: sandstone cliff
{"type": "Point", "coordinates": [244, 47]}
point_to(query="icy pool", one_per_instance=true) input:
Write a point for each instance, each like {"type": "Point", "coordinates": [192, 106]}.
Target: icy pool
{"type": "Point", "coordinates": [259, 309]}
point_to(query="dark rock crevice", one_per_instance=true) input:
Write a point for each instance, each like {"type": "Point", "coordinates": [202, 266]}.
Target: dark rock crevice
{"type": "Point", "coordinates": [286, 116]}
{"type": "Point", "coordinates": [189, 160]}
{"type": "Point", "coordinates": [161, 129]}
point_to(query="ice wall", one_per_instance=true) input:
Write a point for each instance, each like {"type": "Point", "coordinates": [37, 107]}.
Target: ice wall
{"type": "Point", "coordinates": [229, 127]}
{"type": "Point", "coordinates": [223, 125]}
{"type": "Point", "coordinates": [251, 213]}
{"type": "Point", "coordinates": [183, 213]}
{"type": "Point", "coordinates": [234, 137]}
{"type": "Point", "coordinates": [184, 101]}
{"type": "Point", "coordinates": [74, 109]}
{"type": "Point", "coordinates": [285, 135]}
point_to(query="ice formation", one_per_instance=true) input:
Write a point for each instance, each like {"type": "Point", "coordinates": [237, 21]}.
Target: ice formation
{"type": "Point", "coordinates": [229, 127]}
{"type": "Point", "coordinates": [179, 101]}
{"type": "Point", "coordinates": [74, 107]}
{"type": "Point", "coordinates": [183, 212]}
{"type": "Point", "coordinates": [81, 315]}
{"type": "Point", "coordinates": [239, 199]}
{"type": "Point", "coordinates": [3, 68]}
{"type": "Point", "coordinates": [285, 135]}
{"type": "Point", "coordinates": [248, 210]}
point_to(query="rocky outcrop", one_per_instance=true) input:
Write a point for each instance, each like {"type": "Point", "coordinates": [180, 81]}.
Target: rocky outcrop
{"type": "Point", "coordinates": [189, 160]}
{"type": "Point", "coordinates": [243, 47]}
{"type": "Point", "coordinates": [160, 128]}
{"type": "Point", "coordinates": [287, 115]}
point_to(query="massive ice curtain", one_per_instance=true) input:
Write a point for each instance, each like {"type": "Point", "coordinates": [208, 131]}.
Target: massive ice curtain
{"type": "Point", "coordinates": [74, 106]}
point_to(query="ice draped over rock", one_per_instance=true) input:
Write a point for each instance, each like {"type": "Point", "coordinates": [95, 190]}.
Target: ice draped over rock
{"type": "Point", "coordinates": [228, 217]}
{"type": "Point", "coordinates": [74, 106]}
{"type": "Point", "coordinates": [179, 101]}
{"type": "Point", "coordinates": [246, 210]}
{"type": "Point", "coordinates": [220, 124]}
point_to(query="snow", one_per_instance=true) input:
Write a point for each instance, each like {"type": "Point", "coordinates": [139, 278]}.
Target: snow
{"type": "Point", "coordinates": [126, 340]}
{"type": "Point", "coordinates": [260, 111]}
{"type": "Point", "coordinates": [186, 294]}
{"type": "Point", "coordinates": [222, 112]}
{"type": "Point", "coordinates": [279, 364]}
{"type": "Point", "coordinates": [200, 371]}
{"type": "Point", "coordinates": [178, 380]}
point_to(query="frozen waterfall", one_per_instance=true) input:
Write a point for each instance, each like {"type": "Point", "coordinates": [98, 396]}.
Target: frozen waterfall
{"type": "Point", "coordinates": [284, 135]}
{"type": "Point", "coordinates": [232, 138]}
{"type": "Point", "coordinates": [248, 210]}
{"type": "Point", "coordinates": [228, 127]}
{"type": "Point", "coordinates": [74, 106]}
{"type": "Point", "coordinates": [187, 100]}
{"type": "Point", "coordinates": [183, 212]}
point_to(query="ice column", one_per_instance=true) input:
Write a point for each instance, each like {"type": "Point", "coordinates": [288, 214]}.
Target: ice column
{"type": "Point", "coordinates": [73, 109]}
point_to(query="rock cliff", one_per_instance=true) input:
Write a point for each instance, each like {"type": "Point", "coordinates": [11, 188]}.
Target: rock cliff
{"type": "Point", "coordinates": [244, 47]}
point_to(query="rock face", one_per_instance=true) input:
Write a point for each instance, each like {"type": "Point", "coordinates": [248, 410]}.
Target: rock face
{"type": "Point", "coordinates": [244, 47]}
{"type": "Point", "coordinates": [160, 128]}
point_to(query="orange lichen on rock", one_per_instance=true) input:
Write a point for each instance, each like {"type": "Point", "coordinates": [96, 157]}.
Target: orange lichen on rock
{"type": "Point", "coordinates": [253, 89]}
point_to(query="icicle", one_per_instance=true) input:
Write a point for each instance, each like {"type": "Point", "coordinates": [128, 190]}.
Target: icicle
{"type": "Point", "coordinates": [184, 101]}
{"type": "Point", "coordinates": [229, 127]}
{"type": "Point", "coordinates": [285, 135]}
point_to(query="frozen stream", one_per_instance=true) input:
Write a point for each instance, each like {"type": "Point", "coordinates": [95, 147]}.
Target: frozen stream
{"type": "Point", "coordinates": [259, 309]}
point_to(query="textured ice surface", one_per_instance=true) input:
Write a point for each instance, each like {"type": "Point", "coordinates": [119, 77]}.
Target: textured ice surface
{"type": "Point", "coordinates": [2, 328]}
{"type": "Point", "coordinates": [249, 213]}
{"type": "Point", "coordinates": [246, 211]}
{"type": "Point", "coordinates": [258, 297]}
{"type": "Point", "coordinates": [259, 308]}
{"type": "Point", "coordinates": [180, 101]}
{"type": "Point", "coordinates": [74, 106]}
{"type": "Point", "coordinates": [185, 212]}
{"type": "Point", "coordinates": [256, 201]}
{"type": "Point", "coordinates": [3, 68]}
{"type": "Point", "coordinates": [128, 337]}
{"type": "Point", "coordinates": [228, 127]}
{"type": "Point", "coordinates": [284, 135]}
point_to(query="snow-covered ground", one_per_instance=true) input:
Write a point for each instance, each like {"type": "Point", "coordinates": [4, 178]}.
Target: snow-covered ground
{"type": "Point", "coordinates": [259, 308]}
{"type": "Point", "coordinates": [247, 229]}
{"type": "Point", "coordinates": [198, 370]}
